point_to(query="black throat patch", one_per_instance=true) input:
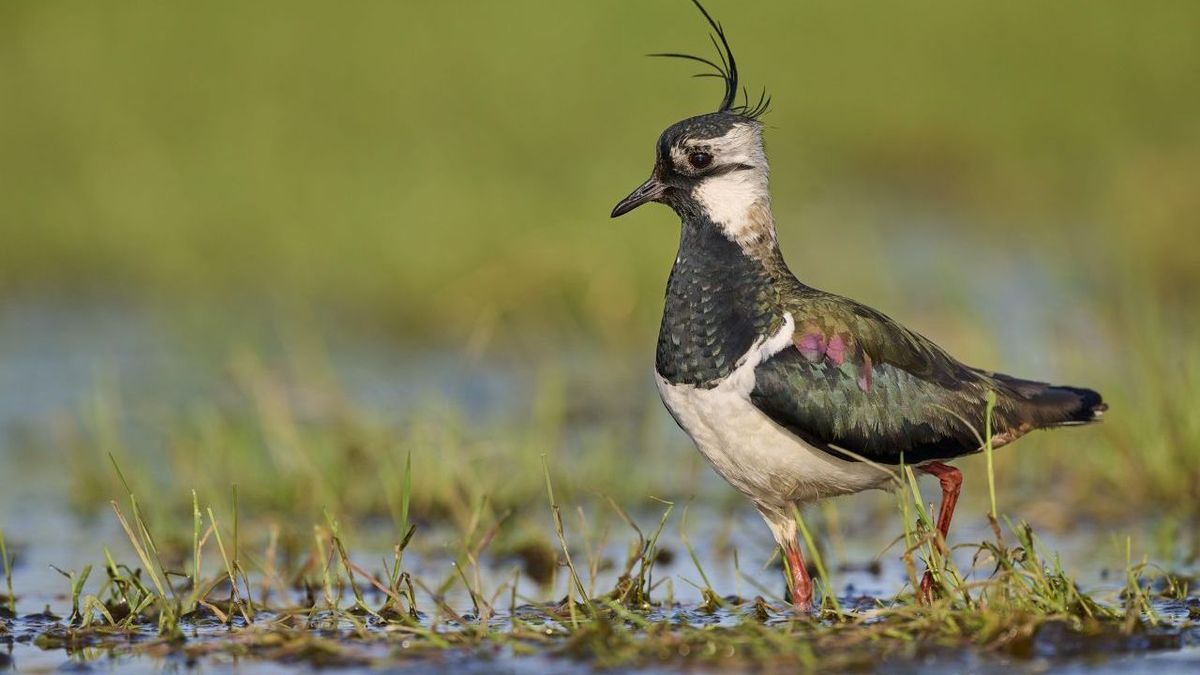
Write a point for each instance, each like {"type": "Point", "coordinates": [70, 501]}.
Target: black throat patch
{"type": "Point", "coordinates": [719, 302]}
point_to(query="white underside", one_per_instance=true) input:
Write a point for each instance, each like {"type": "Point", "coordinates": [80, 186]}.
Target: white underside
{"type": "Point", "coordinates": [761, 459]}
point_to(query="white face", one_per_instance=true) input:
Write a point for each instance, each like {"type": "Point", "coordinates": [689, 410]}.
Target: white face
{"type": "Point", "coordinates": [736, 192]}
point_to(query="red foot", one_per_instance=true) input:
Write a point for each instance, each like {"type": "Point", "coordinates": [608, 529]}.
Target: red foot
{"type": "Point", "coordinates": [801, 582]}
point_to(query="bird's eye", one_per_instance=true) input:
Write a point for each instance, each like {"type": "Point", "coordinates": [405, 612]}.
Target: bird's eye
{"type": "Point", "coordinates": [700, 160]}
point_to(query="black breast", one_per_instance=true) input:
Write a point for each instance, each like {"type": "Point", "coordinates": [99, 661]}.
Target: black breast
{"type": "Point", "coordinates": [718, 304]}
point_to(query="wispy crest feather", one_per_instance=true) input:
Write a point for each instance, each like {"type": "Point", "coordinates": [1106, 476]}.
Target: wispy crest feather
{"type": "Point", "coordinates": [726, 70]}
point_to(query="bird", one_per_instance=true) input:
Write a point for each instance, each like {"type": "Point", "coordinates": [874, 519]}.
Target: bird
{"type": "Point", "coordinates": [791, 393]}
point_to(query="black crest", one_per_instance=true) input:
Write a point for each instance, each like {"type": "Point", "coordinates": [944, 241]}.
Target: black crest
{"type": "Point", "coordinates": [726, 70]}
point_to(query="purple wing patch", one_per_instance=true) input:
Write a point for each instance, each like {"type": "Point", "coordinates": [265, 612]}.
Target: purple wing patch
{"type": "Point", "coordinates": [812, 346]}
{"type": "Point", "coordinates": [865, 373]}
{"type": "Point", "coordinates": [836, 351]}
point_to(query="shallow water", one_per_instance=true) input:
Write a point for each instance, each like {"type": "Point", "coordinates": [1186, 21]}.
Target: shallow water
{"type": "Point", "coordinates": [1170, 648]}
{"type": "Point", "coordinates": [54, 356]}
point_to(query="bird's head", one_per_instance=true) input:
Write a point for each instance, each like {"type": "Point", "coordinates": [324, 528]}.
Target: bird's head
{"type": "Point", "coordinates": [713, 165]}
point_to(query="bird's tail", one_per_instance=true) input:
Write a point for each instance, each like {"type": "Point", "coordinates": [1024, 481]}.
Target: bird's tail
{"type": "Point", "coordinates": [1048, 405]}
{"type": "Point", "coordinates": [1076, 405]}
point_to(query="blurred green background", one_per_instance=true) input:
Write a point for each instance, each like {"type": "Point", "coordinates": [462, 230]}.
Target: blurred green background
{"type": "Point", "coordinates": [445, 168]}
{"type": "Point", "coordinates": [1020, 181]}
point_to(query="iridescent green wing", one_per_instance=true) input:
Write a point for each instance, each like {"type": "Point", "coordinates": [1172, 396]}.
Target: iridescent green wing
{"type": "Point", "coordinates": [855, 380]}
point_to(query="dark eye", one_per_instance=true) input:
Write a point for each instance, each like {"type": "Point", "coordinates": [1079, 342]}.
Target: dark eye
{"type": "Point", "coordinates": [700, 160]}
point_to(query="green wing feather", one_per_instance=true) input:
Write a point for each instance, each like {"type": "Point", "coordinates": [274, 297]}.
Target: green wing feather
{"type": "Point", "coordinates": [855, 380]}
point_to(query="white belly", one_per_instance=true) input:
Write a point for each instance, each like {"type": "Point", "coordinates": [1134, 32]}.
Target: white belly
{"type": "Point", "coordinates": [763, 460]}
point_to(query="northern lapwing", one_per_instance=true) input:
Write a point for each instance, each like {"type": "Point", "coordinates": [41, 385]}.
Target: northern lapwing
{"type": "Point", "coordinates": [791, 393]}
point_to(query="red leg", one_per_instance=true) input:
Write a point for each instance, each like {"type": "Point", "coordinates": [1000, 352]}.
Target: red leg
{"type": "Point", "coordinates": [801, 583]}
{"type": "Point", "coordinates": [951, 480]}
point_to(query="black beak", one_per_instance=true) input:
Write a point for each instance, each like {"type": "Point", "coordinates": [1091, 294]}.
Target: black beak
{"type": "Point", "coordinates": [650, 191]}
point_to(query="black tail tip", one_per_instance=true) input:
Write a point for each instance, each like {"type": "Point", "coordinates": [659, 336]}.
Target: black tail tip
{"type": "Point", "coordinates": [1091, 404]}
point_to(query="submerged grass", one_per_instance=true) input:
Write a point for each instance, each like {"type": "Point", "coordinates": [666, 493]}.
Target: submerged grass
{"type": "Point", "coordinates": [435, 218]}
{"type": "Point", "coordinates": [336, 611]}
